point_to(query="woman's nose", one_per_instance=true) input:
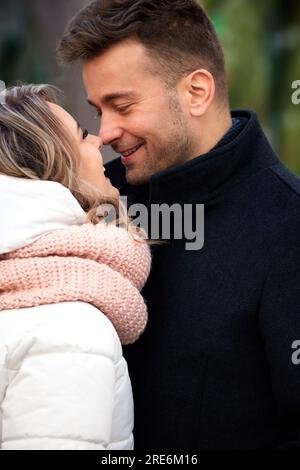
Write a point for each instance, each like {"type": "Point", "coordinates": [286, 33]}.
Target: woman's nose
{"type": "Point", "coordinates": [94, 140]}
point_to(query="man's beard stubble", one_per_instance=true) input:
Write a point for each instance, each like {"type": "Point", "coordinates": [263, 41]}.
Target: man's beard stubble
{"type": "Point", "coordinates": [175, 150]}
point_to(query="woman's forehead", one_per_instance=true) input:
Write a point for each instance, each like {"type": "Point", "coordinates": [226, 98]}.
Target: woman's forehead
{"type": "Point", "coordinates": [64, 116]}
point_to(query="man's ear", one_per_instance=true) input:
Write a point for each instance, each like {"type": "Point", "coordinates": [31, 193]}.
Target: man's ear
{"type": "Point", "coordinates": [199, 91]}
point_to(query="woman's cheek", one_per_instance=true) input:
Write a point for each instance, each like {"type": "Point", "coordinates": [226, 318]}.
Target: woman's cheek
{"type": "Point", "coordinates": [91, 168]}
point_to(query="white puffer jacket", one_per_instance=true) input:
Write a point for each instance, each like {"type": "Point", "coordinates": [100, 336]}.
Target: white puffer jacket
{"type": "Point", "coordinates": [64, 383]}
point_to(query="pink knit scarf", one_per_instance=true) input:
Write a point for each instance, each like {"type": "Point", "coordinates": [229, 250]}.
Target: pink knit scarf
{"type": "Point", "coordinates": [102, 265]}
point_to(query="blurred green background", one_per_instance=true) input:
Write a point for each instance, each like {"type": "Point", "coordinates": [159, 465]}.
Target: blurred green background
{"type": "Point", "coordinates": [261, 40]}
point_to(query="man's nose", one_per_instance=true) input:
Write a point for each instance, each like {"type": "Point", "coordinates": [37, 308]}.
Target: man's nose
{"type": "Point", "coordinates": [108, 132]}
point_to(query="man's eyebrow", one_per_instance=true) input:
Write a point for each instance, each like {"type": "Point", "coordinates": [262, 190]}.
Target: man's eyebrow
{"type": "Point", "coordinates": [113, 96]}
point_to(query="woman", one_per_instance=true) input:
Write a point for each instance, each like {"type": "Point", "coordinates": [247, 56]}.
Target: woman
{"type": "Point", "coordinates": [69, 285]}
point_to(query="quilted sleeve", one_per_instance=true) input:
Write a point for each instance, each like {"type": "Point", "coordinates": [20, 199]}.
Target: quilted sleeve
{"type": "Point", "coordinates": [65, 377]}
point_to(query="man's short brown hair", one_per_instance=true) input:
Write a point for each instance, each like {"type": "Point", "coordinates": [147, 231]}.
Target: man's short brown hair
{"type": "Point", "coordinates": [177, 34]}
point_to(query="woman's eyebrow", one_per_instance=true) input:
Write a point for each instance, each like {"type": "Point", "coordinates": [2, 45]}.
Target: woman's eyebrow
{"type": "Point", "coordinates": [79, 128]}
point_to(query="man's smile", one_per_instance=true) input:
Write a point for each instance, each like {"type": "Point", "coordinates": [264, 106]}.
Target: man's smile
{"type": "Point", "coordinates": [128, 154]}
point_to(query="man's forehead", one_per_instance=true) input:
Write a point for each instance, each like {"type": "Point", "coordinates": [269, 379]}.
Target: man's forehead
{"type": "Point", "coordinates": [123, 71]}
{"type": "Point", "coordinates": [117, 84]}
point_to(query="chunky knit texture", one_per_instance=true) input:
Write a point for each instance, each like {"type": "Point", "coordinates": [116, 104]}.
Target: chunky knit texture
{"type": "Point", "coordinates": [99, 264]}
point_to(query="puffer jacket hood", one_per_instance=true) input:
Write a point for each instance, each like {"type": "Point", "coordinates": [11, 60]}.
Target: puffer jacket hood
{"type": "Point", "coordinates": [32, 208]}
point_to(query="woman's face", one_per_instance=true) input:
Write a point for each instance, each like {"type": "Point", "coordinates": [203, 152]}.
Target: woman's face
{"type": "Point", "coordinates": [91, 168]}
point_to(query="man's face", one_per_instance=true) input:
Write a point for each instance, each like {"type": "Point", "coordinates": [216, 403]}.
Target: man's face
{"type": "Point", "coordinates": [141, 120]}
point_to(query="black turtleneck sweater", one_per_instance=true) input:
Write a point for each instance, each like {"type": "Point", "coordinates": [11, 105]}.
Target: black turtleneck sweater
{"type": "Point", "coordinates": [215, 368]}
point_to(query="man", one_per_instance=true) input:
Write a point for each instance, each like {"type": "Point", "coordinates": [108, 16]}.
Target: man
{"type": "Point", "coordinates": [216, 366]}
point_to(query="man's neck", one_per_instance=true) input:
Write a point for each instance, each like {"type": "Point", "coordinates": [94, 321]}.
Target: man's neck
{"type": "Point", "coordinates": [217, 127]}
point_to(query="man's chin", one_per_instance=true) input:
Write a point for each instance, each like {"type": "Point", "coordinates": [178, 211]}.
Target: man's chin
{"type": "Point", "coordinates": [134, 178]}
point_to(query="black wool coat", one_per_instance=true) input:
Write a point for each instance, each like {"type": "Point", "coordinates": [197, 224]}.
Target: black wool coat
{"type": "Point", "coordinates": [217, 367]}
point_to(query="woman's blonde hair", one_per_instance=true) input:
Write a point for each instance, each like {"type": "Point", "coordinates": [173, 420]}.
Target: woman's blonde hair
{"type": "Point", "coordinates": [35, 145]}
